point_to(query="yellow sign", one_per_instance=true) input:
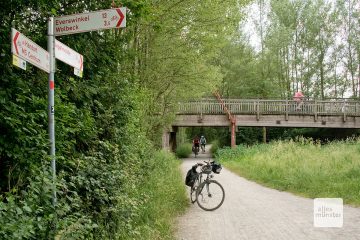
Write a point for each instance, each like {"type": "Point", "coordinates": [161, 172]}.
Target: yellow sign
{"type": "Point", "coordinates": [19, 62]}
{"type": "Point", "coordinates": [78, 72]}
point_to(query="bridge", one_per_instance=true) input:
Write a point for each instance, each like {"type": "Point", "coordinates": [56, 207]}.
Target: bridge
{"type": "Point", "coordinates": [341, 113]}
{"type": "Point", "coordinates": [333, 113]}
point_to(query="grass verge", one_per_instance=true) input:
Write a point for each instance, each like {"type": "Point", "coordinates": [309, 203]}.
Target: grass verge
{"type": "Point", "coordinates": [164, 198]}
{"type": "Point", "coordinates": [304, 167]}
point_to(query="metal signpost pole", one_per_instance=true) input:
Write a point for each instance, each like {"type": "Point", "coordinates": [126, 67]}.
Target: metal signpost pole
{"type": "Point", "coordinates": [51, 111]}
{"type": "Point", "coordinates": [25, 50]}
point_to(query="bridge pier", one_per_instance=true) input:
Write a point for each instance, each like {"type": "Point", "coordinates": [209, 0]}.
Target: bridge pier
{"type": "Point", "coordinates": [165, 140]}
{"type": "Point", "coordinates": [264, 134]}
{"type": "Point", "coordinates": [169, 139]}
{"type": "Point", "coordinates": [233, 133]}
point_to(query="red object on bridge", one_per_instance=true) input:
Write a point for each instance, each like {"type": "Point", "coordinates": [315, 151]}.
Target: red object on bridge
{"type": "Point", "coordinates": [231, 118]}
{"type": "Point", "coordinates": [298, 96]}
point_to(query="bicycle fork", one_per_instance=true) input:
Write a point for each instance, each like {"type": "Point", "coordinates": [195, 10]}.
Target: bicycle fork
{"type": "Point", "coordinates": [207, 191]}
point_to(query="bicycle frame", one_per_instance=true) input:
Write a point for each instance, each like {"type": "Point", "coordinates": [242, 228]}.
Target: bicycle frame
{"type": "Point", "coordinates": [208, 177]}
{"type": "Point", "coordinates": [200, 180]}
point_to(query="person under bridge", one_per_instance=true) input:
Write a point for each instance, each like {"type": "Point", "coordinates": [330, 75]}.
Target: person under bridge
{"type": "Point", "coordinates": [203, 143]}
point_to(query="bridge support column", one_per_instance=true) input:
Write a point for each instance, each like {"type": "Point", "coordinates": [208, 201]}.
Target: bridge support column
{"type": "Point", "coordinates": [169, 139]}
{"type": "Point", "coordinates": [172, 140]}
{"type": "Point", "coordinates": [264, 134]}
{"type": "Point", "coordinates": [166, 140]}
{"type": "Point", "coordinates": [233, 133]}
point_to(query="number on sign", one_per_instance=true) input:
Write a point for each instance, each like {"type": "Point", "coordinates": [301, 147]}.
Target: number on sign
{"type": "Point", "coordinates": [104, 15]}
{"type": "Point", "coordinates": [106, 23]}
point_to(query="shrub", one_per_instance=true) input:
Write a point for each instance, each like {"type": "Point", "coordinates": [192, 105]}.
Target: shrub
{"type": "Point", "coordinates": [184, 150]}
{"type": "Point", "coordinates": [214, 147]}
{"type": "Point", "coordinates": [95, 203]}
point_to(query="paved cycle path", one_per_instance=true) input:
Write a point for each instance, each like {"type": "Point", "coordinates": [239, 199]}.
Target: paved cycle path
{"type": "Point", "coordinates": [251, 211]}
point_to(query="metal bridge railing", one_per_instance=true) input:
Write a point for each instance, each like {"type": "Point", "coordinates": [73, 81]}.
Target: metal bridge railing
{"type": "Point", "coordinates": [253, 106]}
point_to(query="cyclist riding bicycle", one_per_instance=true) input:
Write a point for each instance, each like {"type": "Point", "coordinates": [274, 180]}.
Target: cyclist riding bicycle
{"type": "Point", "coordinates": [203, 143]}
{"type": "Point", "coordinates": [196, 143]}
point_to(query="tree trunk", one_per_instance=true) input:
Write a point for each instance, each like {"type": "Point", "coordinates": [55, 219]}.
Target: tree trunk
{"type": "Point", "coordinates": [322, 81]}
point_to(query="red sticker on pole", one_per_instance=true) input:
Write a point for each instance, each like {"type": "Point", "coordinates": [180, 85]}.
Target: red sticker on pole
{"type": "Point", "coordinates": [52, 85]}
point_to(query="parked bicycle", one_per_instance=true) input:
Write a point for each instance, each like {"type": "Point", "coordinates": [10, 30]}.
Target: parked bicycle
{"type": "Point", "coordinates": [208, 193]}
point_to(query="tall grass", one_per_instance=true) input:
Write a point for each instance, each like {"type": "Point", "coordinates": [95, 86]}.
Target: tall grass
{"type": "Point", "coordinates": [163, 197]}
{"type": "Point", "coordinates": [183, 150]}
{"type": "Point", "coordinates": [303, 167]}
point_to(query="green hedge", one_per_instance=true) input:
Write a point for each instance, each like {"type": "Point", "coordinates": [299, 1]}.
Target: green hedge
{"type": "Point", "coordinates": [110, 203]}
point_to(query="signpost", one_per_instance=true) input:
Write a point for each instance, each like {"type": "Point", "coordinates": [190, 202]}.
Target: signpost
{"type": "Point", "coordinates": [69, 56]}
{"type": "Point", "coordinates": [85, 22]}
{"type": "Point", "coordinates": [70, 24]}
{"type": "Point", "coordinates": [51, 108]}
{"type": "Point", "coordinates": [27, 50]}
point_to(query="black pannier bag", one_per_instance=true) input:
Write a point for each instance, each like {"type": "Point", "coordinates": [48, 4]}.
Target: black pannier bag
{"type": "Point", "coordinates": [216, 168]}
{"type": "Point", "coordinates": [191, 177]}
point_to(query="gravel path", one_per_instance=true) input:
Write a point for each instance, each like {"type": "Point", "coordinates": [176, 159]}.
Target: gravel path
{"type": "Point", "coordinates": [251, 211]}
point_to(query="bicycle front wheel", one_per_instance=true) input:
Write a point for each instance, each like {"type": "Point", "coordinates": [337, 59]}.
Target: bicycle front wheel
{"type": "Point", "coordinates": [193, 191]}
{"type": "Point", "coordinates": [210, 195]}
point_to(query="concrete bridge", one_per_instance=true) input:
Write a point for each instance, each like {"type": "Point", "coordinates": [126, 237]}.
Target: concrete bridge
{"type": "Point", "coordinates": [334, 113]}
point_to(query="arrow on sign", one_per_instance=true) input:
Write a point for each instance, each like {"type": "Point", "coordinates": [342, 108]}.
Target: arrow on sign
{"type": "Point", "coordinates": [121, 17]}
{"type": "Point", "coordinates": [29, 51]}
{"type": "Point", "coordinates": [91, 21]}
{"type": "Point", "coordinates": [15, 39]}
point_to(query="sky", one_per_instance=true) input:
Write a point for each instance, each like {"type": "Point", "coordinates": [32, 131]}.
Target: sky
{"type": "Point", "coordinates": [249, 25]}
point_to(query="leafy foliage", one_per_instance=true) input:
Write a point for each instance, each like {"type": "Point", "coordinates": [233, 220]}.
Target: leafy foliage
{"type": "Point", "coordinates": [291, 45]}
{"type": "Point", "coordinates": [184, 150]}
{"type": "Point", "coordinates": [108, 124]}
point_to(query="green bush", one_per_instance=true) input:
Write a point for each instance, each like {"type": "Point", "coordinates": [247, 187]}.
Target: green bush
{"type": "Point", "coordinates": [99, 201]}
{"type": "Point", "coordinates": [214, 147]}
{"type": "Point", "coordinates": [184, 150]}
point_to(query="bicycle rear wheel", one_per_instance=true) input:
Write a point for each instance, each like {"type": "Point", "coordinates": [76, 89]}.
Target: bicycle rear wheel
{"type": "Point", "coordinates": [196, 151]}
{"type": "Point", "coordinates": [210, 195]}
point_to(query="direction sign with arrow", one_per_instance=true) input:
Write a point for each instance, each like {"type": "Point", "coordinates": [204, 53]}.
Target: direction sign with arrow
{"type": "Point", "coordinates": [91, 21]}
{"type": "Point", "coordinates": [69, 56]}
{"type": "Point", "coordinates": [27, 50]}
